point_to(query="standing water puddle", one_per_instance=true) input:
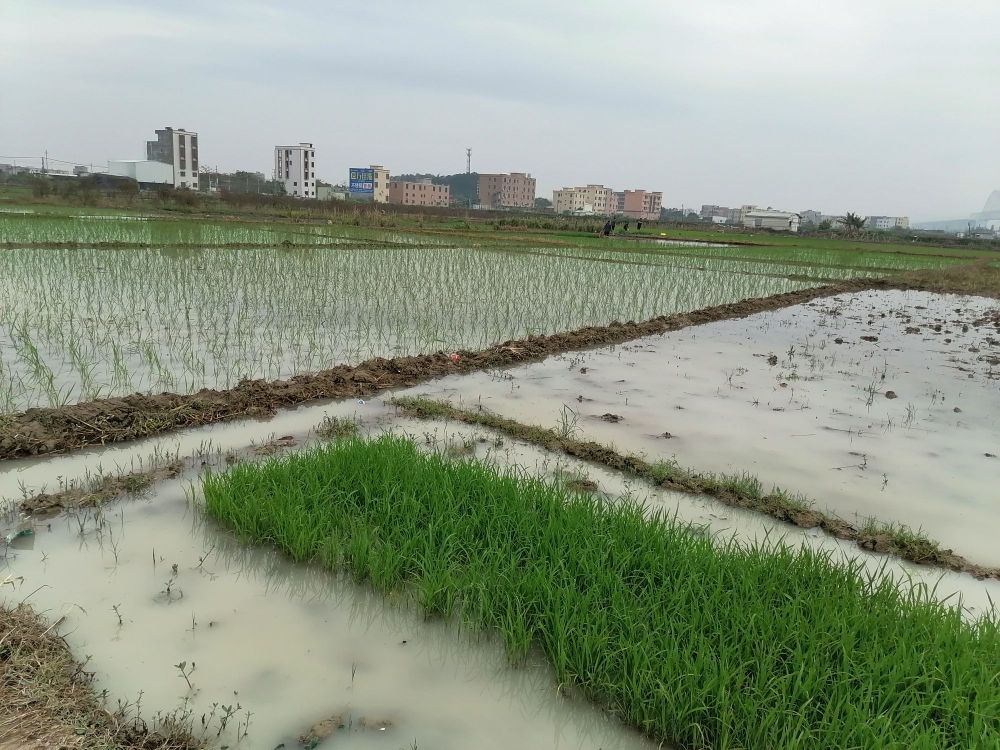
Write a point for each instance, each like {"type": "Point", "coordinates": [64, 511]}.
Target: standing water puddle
{"type": "Point", "coordinates": [879, 404]}
{"type": "Point", "coordinates": [290, 643]}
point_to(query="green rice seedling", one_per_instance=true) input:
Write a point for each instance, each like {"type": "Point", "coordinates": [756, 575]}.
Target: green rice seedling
{"type": "Point", "coordinates": [666, 470]}
{"type": "Point", "coordinates": [138, 300]}
{"type": "Point", "coordinates": [139, 296]}
{"type": "Point", "coordinates": [698, 642]}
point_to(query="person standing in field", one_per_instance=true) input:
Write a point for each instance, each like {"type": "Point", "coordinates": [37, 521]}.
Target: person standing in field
{"type": "Point", "coordinates": [625, 226]}
{"type": "Point", "coordinates": [638, 225]}
{"type": "Point", "coordinates": [607, 228]}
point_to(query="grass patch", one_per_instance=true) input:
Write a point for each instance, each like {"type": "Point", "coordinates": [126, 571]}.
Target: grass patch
{"type": "Point", "coordinates": [697, 642]}
{"type": "Point", "coordinates": [742, 490]}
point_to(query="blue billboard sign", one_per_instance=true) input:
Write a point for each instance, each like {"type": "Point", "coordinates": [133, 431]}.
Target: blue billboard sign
{"type": "Point", "coordinates": [362, 181]}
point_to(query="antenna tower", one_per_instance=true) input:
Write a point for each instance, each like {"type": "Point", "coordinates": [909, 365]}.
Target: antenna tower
{"type": "Point", "coordinates": [468, 161]}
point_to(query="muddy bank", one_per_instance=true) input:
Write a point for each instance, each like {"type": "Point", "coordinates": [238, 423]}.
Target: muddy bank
{"type": "Point", "coordinates": [736, 491]}
{"type": "Point", "coordinates": [47, 700]}
{"type": "Point", "coordinates": [100, 491]}
{"type": "Point", "coordinates": [53, 430]}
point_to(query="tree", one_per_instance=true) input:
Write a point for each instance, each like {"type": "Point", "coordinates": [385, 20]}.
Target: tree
{"type": "Point", "coordinates": [854, 223]}
{"type": "Point", "coordinates": [825, 225]}
{"type": "Point", "coordinates": [40, 187]}
{"type": "Point", "coordinates": [671, 214]}
{"type": "Point", "coordinates": [543, 204]}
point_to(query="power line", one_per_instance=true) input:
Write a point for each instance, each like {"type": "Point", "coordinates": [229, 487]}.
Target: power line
{"type": "Point", "coordinates": [47, 158]}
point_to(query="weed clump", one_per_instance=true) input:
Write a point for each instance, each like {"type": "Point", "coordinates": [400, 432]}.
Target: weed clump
{"type": "Point", "coordinates": [47, 698]}
{"type": "Point", "coordinates": [336, 428]}
{"type": "Point", "coordinates": [698, 642]}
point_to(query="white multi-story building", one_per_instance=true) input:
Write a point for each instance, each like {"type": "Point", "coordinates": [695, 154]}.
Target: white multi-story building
{"type": "Point", "coordinates": [591, 199]}
{"type": "Point", "coordinates": [885, 223]}
{"type": "Point", "coordinates": [178, 148]}
{"type": "Point", "coordinates": [295, 167]}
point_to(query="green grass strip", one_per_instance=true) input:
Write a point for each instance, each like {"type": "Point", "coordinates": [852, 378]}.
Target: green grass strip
{"type": "Point", "coordinates": [702, 643]}
{"type": "Point", "coordinates": [738, 490]}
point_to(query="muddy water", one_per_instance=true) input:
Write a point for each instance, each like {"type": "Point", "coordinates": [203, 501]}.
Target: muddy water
{"type": "Point", "coordinates": [898, 427]}
{"type": "Point", "coordinates": [294, 645]}
{"type": "Point", "coordinates": [290, 643]}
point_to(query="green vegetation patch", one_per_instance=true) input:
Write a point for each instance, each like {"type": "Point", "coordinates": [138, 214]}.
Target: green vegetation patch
{"type": "Point", "coordinates": [700, 642]}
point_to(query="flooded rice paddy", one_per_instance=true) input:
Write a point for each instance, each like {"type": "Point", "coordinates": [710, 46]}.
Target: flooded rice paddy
{"type": "Point", "coordinates": [295, 645]}
{"type": "Point", "coordinates": [79, 324]}
{"type": "Point", "coordinates": [877, 404]}
{"type": "Point", "coordinates": [153, 304]}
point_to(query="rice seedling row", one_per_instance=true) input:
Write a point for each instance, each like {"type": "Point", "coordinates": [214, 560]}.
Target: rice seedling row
{"type": "Point", "coordinates": [79, 324]}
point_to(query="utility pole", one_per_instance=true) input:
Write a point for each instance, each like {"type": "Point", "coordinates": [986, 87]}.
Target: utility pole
{"type": "Point", "coordinates": [468, 161]}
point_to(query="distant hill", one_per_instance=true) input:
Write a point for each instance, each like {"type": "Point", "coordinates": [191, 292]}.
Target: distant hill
{"type": "Point", "coordinates": [464, 186]}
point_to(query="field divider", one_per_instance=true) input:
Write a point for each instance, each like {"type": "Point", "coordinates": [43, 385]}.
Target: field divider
{"type": "Point", "coordinates": [743, 491]}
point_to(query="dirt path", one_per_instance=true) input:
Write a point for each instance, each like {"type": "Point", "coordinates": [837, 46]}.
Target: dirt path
{"type": "Point", "coordinates": [43, 431]}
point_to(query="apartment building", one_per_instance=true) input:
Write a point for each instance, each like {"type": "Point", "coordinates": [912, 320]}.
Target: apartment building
{"type": "Point", "coordinates": [589, 199]}
{"type": "Point", "coordinates": [422, 193]}
{"type": "Point", "coordinates": [369, 183]}
{"type": "Point", "coordinates": [514, 190]}
{"type": "Point", "coordinates": [295, 168]}
{"type": "Point", "coordinates": [886, 223]}
{"type": "Point", "coordinates": [618, 203]}
{"type": "Point", "coordinates": [380, 182]}
{"type": "Point", "coordinates": [641, 204]}
{"type": "Point", "coordinates": [178, 148]}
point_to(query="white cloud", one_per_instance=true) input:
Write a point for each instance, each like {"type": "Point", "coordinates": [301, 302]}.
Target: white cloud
{"type": "Point", "coordinates": [885, 106]}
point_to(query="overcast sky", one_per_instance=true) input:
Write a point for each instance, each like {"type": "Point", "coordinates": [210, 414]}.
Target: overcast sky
{"type": "Point", "coordinates": [875, 106]}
